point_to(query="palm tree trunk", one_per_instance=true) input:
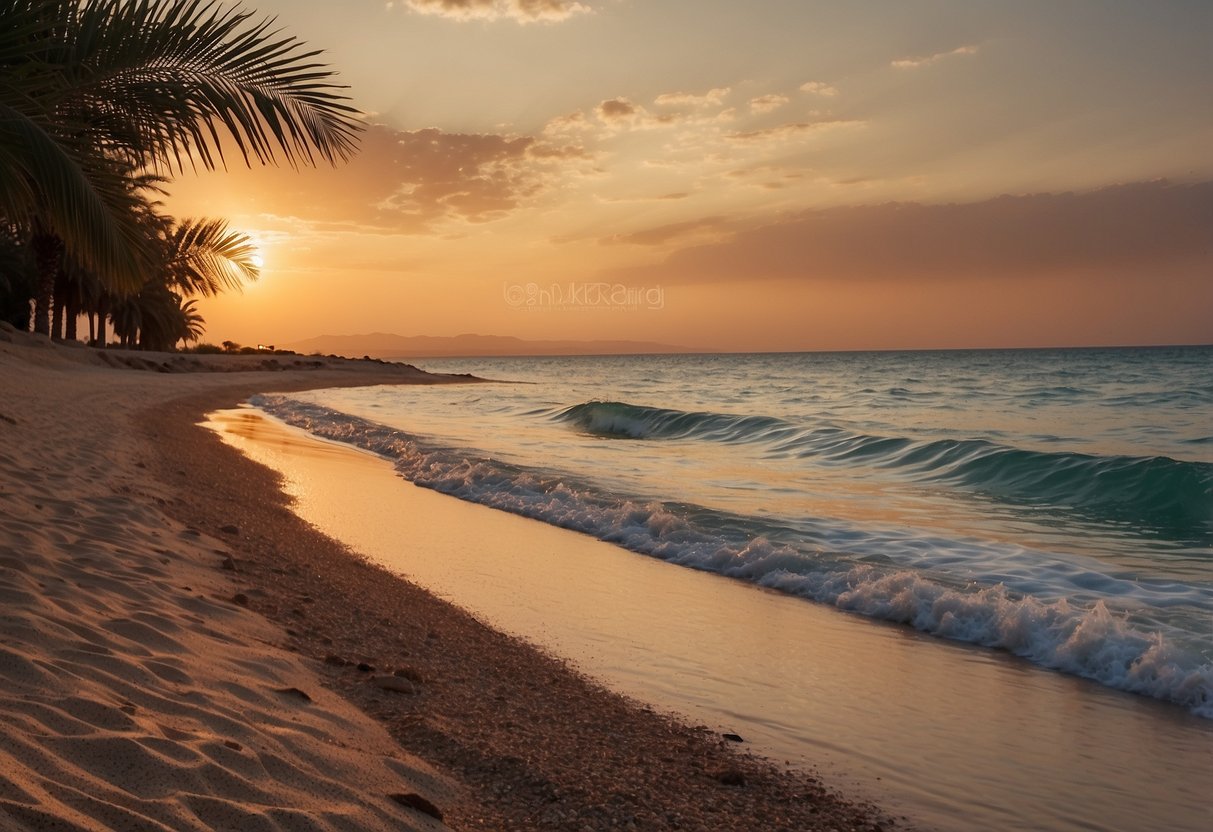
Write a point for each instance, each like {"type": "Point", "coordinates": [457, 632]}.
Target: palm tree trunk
{"type": "Point", "coordinates": [103, 309]}
{"type": "Point", "coordinates": [58, 304]}
{"type": "Point", "coordinates": [48, 249]}
{"type": "Point", "coordinates": [71, 319]}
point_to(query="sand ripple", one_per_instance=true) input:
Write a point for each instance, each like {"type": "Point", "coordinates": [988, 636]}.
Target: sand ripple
{"type": "Point", "coordinates": [133, 693]}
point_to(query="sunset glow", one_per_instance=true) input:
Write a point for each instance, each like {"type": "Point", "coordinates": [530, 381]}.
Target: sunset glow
{"type": "Point", "coordinates": [792, 175]}
{"type": "Point", "coordinates": [606, 414]}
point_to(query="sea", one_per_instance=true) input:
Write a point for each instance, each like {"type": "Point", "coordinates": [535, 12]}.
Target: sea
{"type": "Point", "coordinates": [1055, 504]}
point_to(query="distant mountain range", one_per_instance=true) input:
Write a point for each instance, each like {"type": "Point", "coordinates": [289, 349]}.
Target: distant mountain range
{"type": "Point", "coordinates": [387, 345]}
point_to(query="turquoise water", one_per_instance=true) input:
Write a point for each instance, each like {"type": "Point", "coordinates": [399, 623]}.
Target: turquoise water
{"type": "Point", "coordinates": [1057, 504]}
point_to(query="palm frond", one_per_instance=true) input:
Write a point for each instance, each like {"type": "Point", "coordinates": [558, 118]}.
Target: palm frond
{"type": "Point", "coordinates": [193, 325]}
{"type": "Point", "coordinates": [163, 80]}
{"type": "Point", "coordinates": [205, 257]}
{"type": "Point", "coordinates": [85, 200]}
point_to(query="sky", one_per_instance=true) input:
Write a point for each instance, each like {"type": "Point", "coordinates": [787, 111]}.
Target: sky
{"type": "Point", "coordinates": [769, 175]}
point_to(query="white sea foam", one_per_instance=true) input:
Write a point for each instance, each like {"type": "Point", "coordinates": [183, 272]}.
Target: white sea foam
{"type": "Point", "coordinates": [1091, 642]}
{"type": "Point", "coordinates": [1085, 639]}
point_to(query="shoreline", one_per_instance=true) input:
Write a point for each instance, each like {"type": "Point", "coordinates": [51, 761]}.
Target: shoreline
{"type": "Point", "coordinates": [514, 748]}
{"type": "Point", "coordinates": [527, 741]}
{"type": "Point", "coordinates": [864, 703]}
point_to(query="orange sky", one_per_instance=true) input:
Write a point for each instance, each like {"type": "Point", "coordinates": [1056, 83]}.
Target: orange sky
{"type": "Point", "coordinates": [775, 175]}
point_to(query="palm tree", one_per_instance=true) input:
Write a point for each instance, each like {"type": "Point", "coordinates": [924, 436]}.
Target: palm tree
{"type": "Point", "coordinates": [204, 257]}
{"type": "Point", "coordinates": [197, 257]}
{"type": "Point", "coordinates": [83, 295]}
{"type": "Point", "coordinates": [78, 288]}
{"type": "Point", "coordinates": [91, 89]}
{"type": "Point", "coordinates": [16, 276]}
{"type": "Point", "coordinates": [193, 325]}
{"type": "Point", "coordinates": [156, 319]}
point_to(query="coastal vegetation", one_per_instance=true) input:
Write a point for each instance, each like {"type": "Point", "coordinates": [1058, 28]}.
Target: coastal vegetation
{"type": "Point", "coordinates": [101, 102]}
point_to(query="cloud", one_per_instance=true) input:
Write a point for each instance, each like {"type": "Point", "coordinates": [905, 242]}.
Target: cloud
{"type": "Point", "coordinates": [616, 109]}
{"type": "Point", "coordinates": [767, 103]}
{"type": "Point", "coordinates": [785, 132]}
{"type": "Point", "coordinates": [767, 177]}
{"type": "Point", "coordinates": [819, 88]}
{"type": "Point", "coordinates": [620, 113]}
{"type": "Point", "coordinates": [415, 182]}
{"type": "Point", "coordinates": [1136, 232]}
{"type": "Point", "coordinates": [707, 229]}
{"type": "Point", "coordinates": [562, 151]}
{"type": "Point", "coordinates": [570, 123]}
{"type": "Point", "coordinates": [914, 63]}
{"type": "Point", "coordinates": [712, 97]}
{"type": "Point", "coordinates": [620, 200]}
{"type": "Point", "coordinates": [473, 177]}
{"type": "Point", "coordinates": [767, 170]}
{"type": "Point", "coordinates": [521, 11]}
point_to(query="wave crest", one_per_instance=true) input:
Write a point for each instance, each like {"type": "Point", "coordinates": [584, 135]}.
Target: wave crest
{"type": "Point", "coordinates": [1164, 494]}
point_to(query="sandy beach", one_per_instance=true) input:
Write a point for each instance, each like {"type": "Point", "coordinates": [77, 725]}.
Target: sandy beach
{"type": "Point", "coordinates": [180, 651]}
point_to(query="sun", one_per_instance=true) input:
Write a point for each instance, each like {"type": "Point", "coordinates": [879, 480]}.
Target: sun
{"type": "Point", "coordinates": [255, 254]}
